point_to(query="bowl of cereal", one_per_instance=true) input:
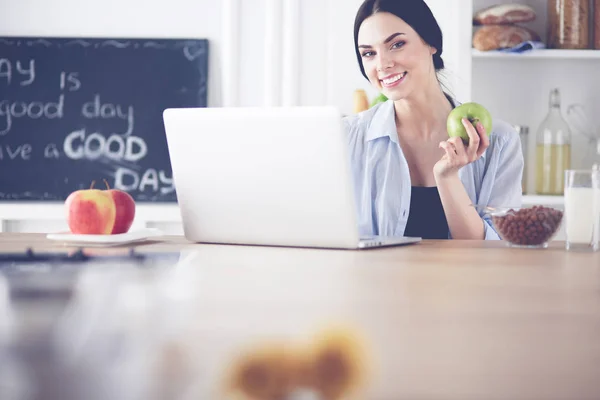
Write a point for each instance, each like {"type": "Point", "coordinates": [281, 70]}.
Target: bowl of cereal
{"type": "Point", "coordinates": [527, 226]}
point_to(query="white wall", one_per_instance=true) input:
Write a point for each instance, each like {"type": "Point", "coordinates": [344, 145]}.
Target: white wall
{"type": "Point", "coordinates": [455, 23]}
{"type": "Point", "coordinates": [320, 54]}
{"type": "Point", "coordinates": [116, 18]}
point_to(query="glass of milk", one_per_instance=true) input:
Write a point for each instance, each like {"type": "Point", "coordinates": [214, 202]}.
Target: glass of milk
{"type": "Point", "coordinates": [582, 209]}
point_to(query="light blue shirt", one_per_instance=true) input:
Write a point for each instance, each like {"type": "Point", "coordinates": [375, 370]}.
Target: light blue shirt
{"type": "Point", "coordinates": [382, 180]}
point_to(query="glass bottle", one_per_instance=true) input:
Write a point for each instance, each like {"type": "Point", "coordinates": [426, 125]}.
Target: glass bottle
{"type": "Point", "coordinates": [553, 149]}
{"type": "Point", "coordinates": [591, 160]}
{"type": "Point", "coordinates": [568, 24]}
{"type": "Point", "coordinates": [523, 132]}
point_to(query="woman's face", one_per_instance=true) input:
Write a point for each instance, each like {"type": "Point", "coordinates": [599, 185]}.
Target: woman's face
{"type": "Point", "coordinates": [395, 58]}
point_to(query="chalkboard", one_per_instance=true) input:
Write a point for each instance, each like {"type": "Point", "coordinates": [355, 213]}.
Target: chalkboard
{"type": "Point", "coordinates": [77, 110]}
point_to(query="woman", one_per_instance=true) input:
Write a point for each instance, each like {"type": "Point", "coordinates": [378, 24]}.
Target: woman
{"type": "Point", "coordinates": [411, 179]}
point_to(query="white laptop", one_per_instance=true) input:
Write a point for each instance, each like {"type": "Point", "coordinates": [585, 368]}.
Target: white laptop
{"type": "Point", "coordinates": [274, 176]}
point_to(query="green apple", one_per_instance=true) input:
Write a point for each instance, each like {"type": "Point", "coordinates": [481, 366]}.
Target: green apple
{"type": "Point", "coordinates": [474, 112]}
{"type": "Point", "coordinates": [381, 98]}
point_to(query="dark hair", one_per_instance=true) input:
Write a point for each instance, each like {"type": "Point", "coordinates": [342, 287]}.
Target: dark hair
{"type": "Point", "coordinates": [415, 13]}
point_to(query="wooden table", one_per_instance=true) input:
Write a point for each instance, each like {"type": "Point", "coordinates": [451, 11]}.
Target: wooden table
{"type": "Point", "coordinates": [437, 320]}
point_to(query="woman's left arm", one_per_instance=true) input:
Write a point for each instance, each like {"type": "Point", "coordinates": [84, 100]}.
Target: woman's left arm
{"type": "Point", "coordinates": [463, 218]}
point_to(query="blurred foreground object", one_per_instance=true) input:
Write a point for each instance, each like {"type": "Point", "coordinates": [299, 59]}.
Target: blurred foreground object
{"type": "Point", "coordinates": [332, 366]}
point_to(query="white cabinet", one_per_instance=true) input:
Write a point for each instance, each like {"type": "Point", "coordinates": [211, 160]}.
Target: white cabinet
{"type": "Point", "coordinates": [516, 87]}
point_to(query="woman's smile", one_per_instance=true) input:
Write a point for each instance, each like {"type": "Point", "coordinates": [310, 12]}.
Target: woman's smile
{"type": "Point", "coordinates": [393, 80]}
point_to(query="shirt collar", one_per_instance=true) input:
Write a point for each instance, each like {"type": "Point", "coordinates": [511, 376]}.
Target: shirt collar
{"type": "Point", "coordinates": [384, 122]}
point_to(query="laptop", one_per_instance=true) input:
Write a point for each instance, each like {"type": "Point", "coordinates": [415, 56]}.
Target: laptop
{"type": "Point", "coordinates": [273, 176]}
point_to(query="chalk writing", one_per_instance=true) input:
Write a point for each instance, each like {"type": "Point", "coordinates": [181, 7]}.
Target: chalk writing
{"type": "Point", "coordinates": [51, 151]}
{"type": "Point", "coordinates": [71, 79]}
{"type": "Point", "coordinates": [97, 109]}
{"type": "Point", "coordinates": [33, 110]}
{"type": "Point", "coordinates": [153, 180]}
{"type": "Point", "coordinates": [78, 146]}
{"type": "Point", "coordinates": [7, 70]}
{"type": "Point", "coordinates": [9, 152]}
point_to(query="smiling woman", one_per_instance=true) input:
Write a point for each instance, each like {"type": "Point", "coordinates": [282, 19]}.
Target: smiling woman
{"type": "Point", "coordinates": [410, 178]}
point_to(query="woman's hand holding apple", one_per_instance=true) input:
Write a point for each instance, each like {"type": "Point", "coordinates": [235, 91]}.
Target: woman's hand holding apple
{"type": "Point", "coordinates": [458, 153]}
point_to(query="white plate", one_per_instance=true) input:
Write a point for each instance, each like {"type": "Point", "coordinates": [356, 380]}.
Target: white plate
{"type": "Point", "coordinates": [106, 240]}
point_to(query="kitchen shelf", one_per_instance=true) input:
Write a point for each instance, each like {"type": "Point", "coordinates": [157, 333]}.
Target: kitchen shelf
{"type": "Point", "coordinates": [538, 54]}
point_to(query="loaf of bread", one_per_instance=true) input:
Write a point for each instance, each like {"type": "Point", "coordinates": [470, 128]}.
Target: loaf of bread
{"type": "Point", "coordinates": [493, 37]}
{"type": "Point", "coordinates": [499, 14]}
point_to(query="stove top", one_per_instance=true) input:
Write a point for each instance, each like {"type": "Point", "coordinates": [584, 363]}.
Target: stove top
{"type": "Point", "coordinates": [81, 256]}
{"type": "Point", "coordinates": [30, 256]}
{"type": "Point", "coordinates": [38, 274]}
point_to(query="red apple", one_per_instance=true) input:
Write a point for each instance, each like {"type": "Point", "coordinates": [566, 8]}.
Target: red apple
{"type": "Point", "coordinates": [91, 211]}
{"type": "Point", "coordinates": [125, 210]}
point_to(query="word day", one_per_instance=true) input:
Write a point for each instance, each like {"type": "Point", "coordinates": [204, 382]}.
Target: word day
{"type": "Point", "coordinates": [154, 180]}
{"type": "Point", "coordinates": [97, 109]}
{"type": "Point", "coordinates": [17, 72]}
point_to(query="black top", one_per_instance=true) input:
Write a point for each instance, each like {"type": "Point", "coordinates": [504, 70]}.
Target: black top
{"type": "Point", "coordinates": [426, 217]}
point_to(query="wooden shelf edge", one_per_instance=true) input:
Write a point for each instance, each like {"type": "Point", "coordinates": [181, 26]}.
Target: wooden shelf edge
{"type": "Point", "coordinates": [529, 199]}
